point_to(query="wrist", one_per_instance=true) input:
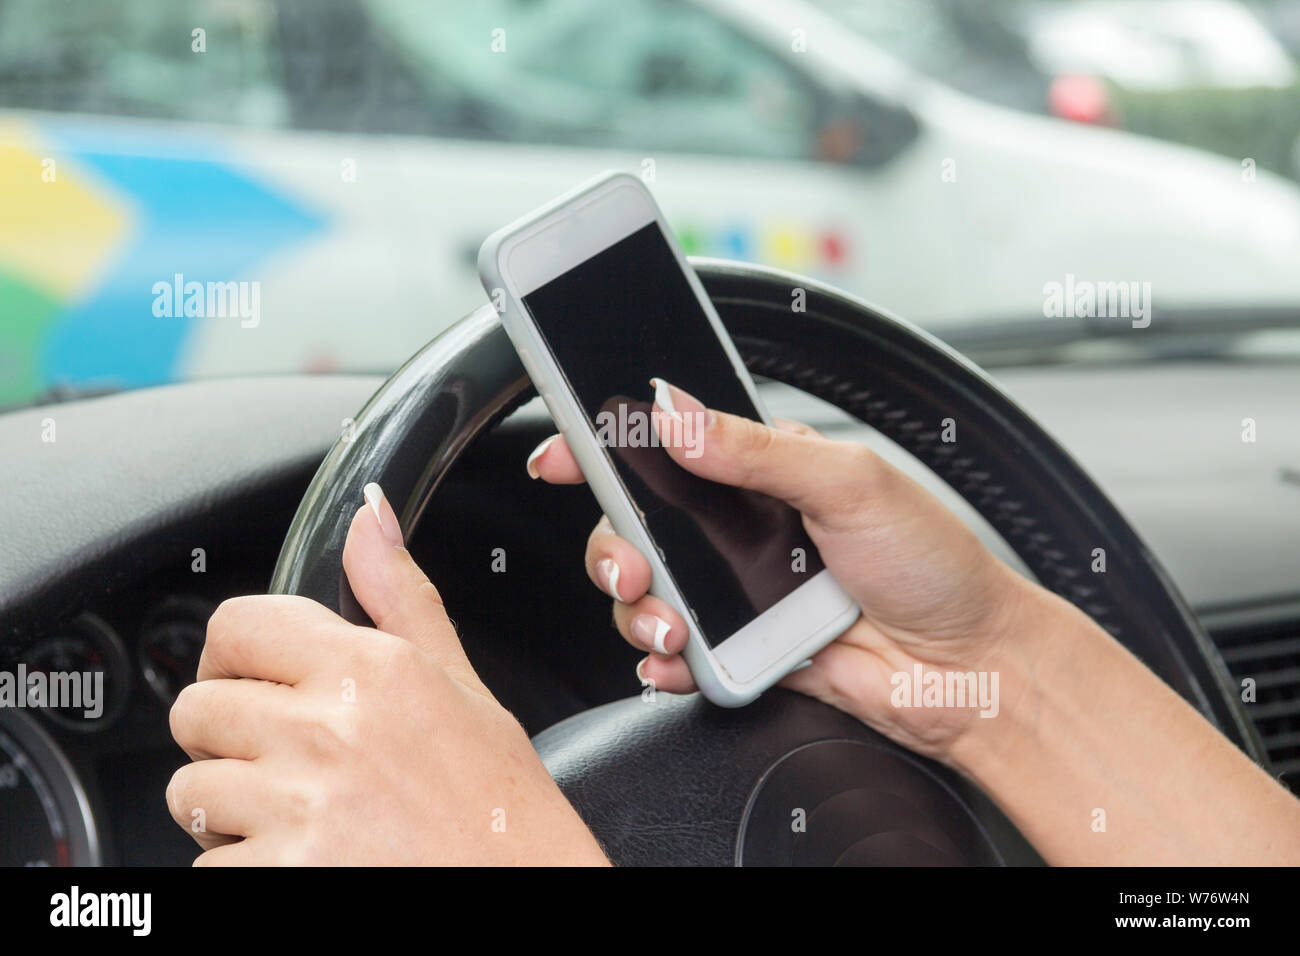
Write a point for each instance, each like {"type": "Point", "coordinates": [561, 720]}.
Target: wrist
{"type": "Point", "coordinates": [1035, 641]}
{"type": "Point", "coordinates": [1097, 761]}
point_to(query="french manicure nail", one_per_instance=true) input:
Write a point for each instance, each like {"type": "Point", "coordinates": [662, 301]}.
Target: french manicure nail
{"type": "Point", "coordinates": [640, 675]}
{"type": "Point", "coordinates": [374, 496]}
{"type": "Point", "coordinates": [652, 630]}
{"type": "Point", "coordinates": [538, 452]}
{"type": "Point", "coordinates": [664, 397]}
{"type": "Point", "coordinates": [702, 416]}
{"type": "Point", "coordinates": [608, 570]}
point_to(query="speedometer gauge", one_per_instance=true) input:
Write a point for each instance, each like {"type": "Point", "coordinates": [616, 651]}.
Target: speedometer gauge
{"type": "Point", "coordinates": [46, 817]}
{"type": "Point", "coordinates": [86, 658]}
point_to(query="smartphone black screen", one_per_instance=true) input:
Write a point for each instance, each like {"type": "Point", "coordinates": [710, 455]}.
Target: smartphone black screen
{"type": "Point", "coordinates": [612, 323]}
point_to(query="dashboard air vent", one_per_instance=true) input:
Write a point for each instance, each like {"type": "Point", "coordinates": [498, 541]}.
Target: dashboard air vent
{"type": "Point", "coordinates": [1265, 647]}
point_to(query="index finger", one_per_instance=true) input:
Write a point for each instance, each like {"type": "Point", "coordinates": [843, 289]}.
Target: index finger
{"type": "Point", "coordinates": [553, 462]}
{"type": "Point", "coordinates": [275, 637]}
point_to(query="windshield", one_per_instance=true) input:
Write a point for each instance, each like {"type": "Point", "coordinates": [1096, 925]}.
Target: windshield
{"type": "Point", "coordinates": [231, 187]}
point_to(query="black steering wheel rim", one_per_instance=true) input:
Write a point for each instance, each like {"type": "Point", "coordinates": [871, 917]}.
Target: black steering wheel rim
{"type": "Point", "coordinates": [882, 370]}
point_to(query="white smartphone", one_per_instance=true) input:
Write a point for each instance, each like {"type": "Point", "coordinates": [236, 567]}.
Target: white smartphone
{"type": "Point", "coordinates": [598, 299]}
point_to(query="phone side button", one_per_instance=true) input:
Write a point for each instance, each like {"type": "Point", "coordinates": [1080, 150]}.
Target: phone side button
{"type": "Point", "coordinates": [557, 412]}
{"type": "Point", "coordinates": [552, 406]}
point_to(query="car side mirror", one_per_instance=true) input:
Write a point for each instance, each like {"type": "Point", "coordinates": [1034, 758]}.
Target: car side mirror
{"type": "Point", "coordinates": [862, 131]}
{"type": "Point", "coordinates": [660, 72]}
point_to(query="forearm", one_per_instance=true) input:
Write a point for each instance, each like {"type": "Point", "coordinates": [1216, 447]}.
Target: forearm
{"type": "Point", "coordinates": [1097, 761]}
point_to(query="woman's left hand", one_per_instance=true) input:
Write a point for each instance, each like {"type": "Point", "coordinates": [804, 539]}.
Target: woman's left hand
{"type": "Point", "coordinates": [318, 742]}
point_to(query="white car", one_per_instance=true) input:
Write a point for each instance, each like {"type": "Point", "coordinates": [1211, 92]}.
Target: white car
{"type": "Point", "coordinates": [389, 138]}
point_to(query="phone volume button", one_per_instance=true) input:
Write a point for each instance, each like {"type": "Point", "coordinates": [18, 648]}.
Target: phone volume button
{"type": "Point", "coordinates": [557, 413]}
{"type": "Point", "coordinates": [552, 406]}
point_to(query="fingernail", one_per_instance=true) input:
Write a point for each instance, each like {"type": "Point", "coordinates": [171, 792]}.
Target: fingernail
{"type": "Point", "coordinates": [374, 496]}
{"type": "Point", "coordinates": [651, 629]}
{"type": "Point", "coordinates": [678, 404]}
{"type": "Point", "coordinates": [639, 674]}
{"type": "Point", "coordinates": [538, 452]}
{"type": "Point", "coordinates": [608, 571]}
{"type": "Point", "coordinates": [664, 397]}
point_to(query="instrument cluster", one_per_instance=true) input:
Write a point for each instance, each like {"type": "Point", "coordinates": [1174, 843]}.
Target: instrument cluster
{"type": "Point", "coordinates": [76, 692]}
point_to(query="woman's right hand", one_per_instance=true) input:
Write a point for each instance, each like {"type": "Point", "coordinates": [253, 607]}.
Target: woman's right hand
{"type": "Point", "coordinates": [1082, 726]}
{"type": "Point", "coordinates": [930, 592]}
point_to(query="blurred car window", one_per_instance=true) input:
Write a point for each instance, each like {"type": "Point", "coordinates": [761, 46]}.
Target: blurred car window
{"type": "Point", "coordinates": [122, 57]}
{"type": "Point", "coordinates": [645, 74]}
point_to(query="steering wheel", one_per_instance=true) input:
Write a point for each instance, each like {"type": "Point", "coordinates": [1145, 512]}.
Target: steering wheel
{"type": "Point", "coordinates": [666, 779]}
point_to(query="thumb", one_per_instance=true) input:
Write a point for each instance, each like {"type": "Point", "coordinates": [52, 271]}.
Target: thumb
{"type": "Point", "coordinates": [393, 590]}
{"type": "Point", "coordinates": [824, 479]}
